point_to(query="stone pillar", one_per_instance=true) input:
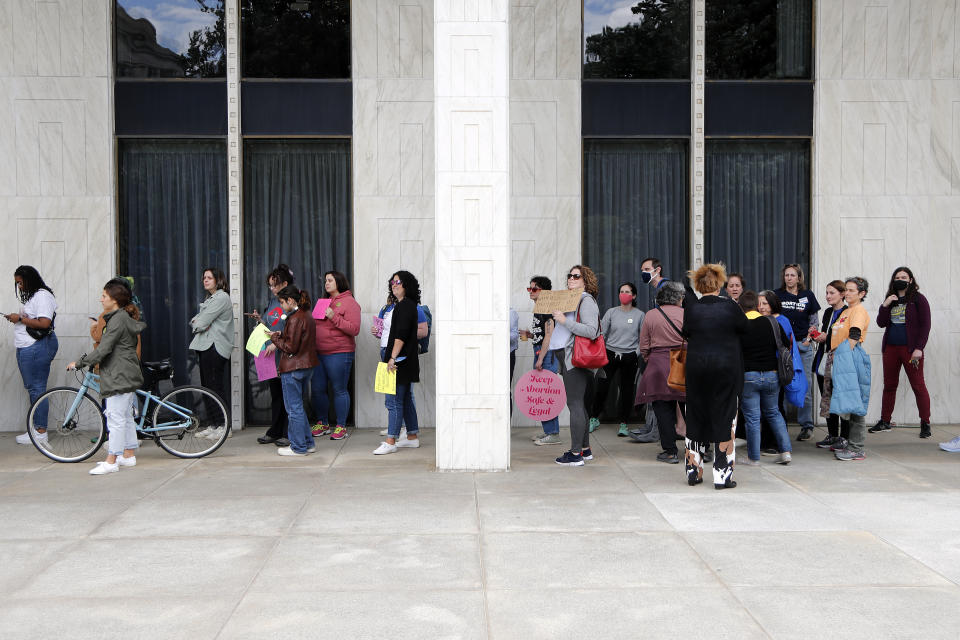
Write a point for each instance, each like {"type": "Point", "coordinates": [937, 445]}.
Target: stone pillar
{"type": "Point", "coordinates": [235, 197]}
{"type": "Point", "coordinates": [471, 318]}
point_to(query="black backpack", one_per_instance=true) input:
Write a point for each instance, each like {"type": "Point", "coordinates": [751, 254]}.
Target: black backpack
{"type": "Point", "coordinates": [784, 356]}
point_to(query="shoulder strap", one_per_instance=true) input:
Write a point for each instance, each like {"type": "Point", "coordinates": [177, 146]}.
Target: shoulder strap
{"type": "Point", "coordinates": [776, 332]}
{"type": "Point", "coordinates": [670, 322]}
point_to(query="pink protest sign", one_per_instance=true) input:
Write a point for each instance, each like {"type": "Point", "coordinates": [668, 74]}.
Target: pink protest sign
{"type": "Point", "coordinates": [319, 311]}
{"type": "Point", "coordinates": [266, 366]}
{"type": "Point", "coordinates": [540, 395]}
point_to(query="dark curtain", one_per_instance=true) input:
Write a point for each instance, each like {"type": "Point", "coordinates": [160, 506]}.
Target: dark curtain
{"type": "Point", "coordinates": [757, 208]}
{"type": "Point", "coordinates": [173, 224]}
{"type": "Point", "coordinates": [635, 206]}
{"type": "Point", "coordinates": [297, 210]}
{"type": "Point", "coordinates": [794, 38]}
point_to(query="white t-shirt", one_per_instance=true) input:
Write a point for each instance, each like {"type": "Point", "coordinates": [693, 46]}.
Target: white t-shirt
{"type": "Point", "coordinates": [41, 305]}
{"type": "Point", "coordinates": [385, 336]}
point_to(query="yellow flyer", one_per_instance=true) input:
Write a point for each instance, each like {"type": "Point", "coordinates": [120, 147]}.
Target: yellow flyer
{"type": "Point", "coordinates": [257, 339]}
{"type": "Point", "coordinates": [386, 381]}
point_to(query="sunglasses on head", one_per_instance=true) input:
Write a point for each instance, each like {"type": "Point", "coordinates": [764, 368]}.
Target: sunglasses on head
{"type": "Point", "coordinates": [532, 289]}
{"type": "Point", "coordinates": [574, 276]}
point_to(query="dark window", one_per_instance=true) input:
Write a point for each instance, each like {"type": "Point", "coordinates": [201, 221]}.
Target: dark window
{"type": "Point", "coordinates": [296, 38]}
{"type": "Point", "coordinates": [649, 39]}
{"type": "Point", "coordinates": [635, 206]}
{"type": "Point", "coordinates": [296, 210]}
{"type": "Point", "coordinates": [757, 209]}
{"type": "Point", "coordinates": [759, 39]}
{"type": "Point", "coordinates": [170, 39]}
{"type": "Point", "coordinates": [173, 224]}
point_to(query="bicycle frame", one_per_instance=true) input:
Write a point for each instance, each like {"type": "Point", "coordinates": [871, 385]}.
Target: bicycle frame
{"type": "Point", "coordinates": [91, 381]}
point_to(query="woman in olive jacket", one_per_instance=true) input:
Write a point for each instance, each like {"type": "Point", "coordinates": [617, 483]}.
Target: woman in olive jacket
{"type": "Point", "coordinates": [120, 375]}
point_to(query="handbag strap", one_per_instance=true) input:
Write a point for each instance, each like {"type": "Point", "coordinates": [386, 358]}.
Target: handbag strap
{"type": "Point", "coordinates": [776, 332]}
{"type": "Point", "coordinates": [599, 332]}
{"type": "Point", "coordinates": [670, 322]}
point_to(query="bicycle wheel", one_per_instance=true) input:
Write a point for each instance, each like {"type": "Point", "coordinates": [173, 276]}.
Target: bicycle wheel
{"type": "Point", "coordinates": [67, 440]}
{"type": "Point", "coordinates": [190, 422]}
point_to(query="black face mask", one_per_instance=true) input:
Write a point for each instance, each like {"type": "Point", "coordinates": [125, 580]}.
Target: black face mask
{"type": "Point", "coordinates": [900, 286]}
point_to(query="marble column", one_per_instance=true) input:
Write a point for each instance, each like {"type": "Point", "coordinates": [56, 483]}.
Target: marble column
{"type": "Point", "coordinates": [235, 190]}
{"type": "Point", "coordinates": [471, 327]}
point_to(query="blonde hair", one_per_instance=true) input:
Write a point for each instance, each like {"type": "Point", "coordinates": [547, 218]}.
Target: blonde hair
{"type": "Point", "coordinates": [591, 284]}
{"type": "Point", "coordinates": [709, 278]}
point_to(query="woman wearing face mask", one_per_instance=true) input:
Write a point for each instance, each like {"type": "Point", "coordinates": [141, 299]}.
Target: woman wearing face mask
{"type": "Point", "coordinates": [621, 331]}
{"type": "Point", "coordinates": [905, 318]}
{"type": "Point", "coordinates": [838, 428]}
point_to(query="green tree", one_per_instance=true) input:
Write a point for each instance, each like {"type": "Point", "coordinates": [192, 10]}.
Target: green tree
{"type": "Point", "coordinates": [656, 45]}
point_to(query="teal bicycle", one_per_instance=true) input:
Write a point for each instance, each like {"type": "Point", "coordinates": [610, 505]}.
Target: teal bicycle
{"type": "Point", "coordinates": [188, 422]}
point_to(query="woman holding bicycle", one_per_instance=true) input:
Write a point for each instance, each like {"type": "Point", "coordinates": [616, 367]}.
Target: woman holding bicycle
{"type": "Point", "coordinates": [34, 338]}
{"type": "Point", "coordinates": [120, 375]}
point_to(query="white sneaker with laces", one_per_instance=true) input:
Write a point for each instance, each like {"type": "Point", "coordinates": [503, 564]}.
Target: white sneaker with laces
{"type": "Point", "coordinates": [24, 438]}
{"type": "Point", "coordinates": [403, 442]}
{"type": "Point", "coordinates": [104, 467]}
{"type": "Point", "coordinates": [127, 462]}
{"type": "Point", "coordinates": [288, 451]}
{"type": "Point", "coordinates": [384, 449]}
{"type": "Point", "coordinates": [311, 449]}
{"type": "Point", "coordinates": [203, 433]}
{"type": "Point", "coordinates": [953, 446]}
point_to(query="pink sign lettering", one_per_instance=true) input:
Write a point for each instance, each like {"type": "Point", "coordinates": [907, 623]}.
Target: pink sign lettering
{"type": "Point", "coordinates": [540, 395]}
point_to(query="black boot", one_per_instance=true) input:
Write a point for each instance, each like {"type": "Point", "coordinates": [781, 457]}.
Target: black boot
{"type": "Point", "coordinates": [925, 430]}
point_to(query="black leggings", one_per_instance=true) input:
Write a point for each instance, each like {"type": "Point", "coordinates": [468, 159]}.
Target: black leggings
{"type": "Point", "coordinates": [836, 425]}
{"type": "Point", "coordinates": [626, 364]}
{"type": "Point", "coordinates": [666, 412]}
{"type": "Point", "coordinates": [213, 369]}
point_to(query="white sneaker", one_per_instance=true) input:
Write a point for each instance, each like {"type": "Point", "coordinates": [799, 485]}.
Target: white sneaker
{"type": "Point", "coordinates": [288, 451]}
{"type": "Point", "coordinates": [386, 432]}
{"type": "Point", "coordinates": [213, 433]}
{"type": "Point", "coordinates": [408, 444]}
{"type": "Point", "coordinates": [203, 433]}
{"type": "Point", "coordinates": [104, 467]}
{"type": "Point", "coordinates": [127, 462]}
{"type": "Point", "coordinates": [24, 438]}
{"type": "Point", "coordinates": [384, 449]}
{"type": "Point", "coordinates": [538, 436]}
{"type": "Point", "coordinates": [312, 449]}
{"type": "Point", "coordinates": [953, 446]}
{"type": "Point", "coordinates": [784, 458]}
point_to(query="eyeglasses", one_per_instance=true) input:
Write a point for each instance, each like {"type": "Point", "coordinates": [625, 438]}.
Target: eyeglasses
{"type": "Point", "coordinates": [532, 289]}
{"type": "Point", "coordinates": [396, 283]}
{"type": "Point", "coordinates": [574, 276]}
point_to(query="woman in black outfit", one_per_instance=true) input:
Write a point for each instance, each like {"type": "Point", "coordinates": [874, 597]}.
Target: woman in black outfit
{"type": "Point", "coordinates": [712, 326]}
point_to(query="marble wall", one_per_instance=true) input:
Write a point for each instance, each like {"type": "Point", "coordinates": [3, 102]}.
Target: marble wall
{"type": "Point", "coordinates": [887, 169]}
{"type": "Point", "coordinates": [393, 177]}
{"type": "Point", "coordinates": [56, 171]}
{"type": "Point", "coordinates": [545, 153]}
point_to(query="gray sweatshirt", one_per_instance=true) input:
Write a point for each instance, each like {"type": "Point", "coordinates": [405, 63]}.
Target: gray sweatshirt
{"type": "Point", "coordinates": [588, 327]}
{"type": "Point", "coordinates": [621, 329]}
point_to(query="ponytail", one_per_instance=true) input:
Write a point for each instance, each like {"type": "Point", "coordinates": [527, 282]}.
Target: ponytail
{"type": "Point", "coordinates": [290, 292]}
{"type": "Point", "coordinates": [304, 302]}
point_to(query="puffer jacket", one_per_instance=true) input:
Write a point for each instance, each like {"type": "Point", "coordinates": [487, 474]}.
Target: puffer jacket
{"type": "Point", "coordinates": [117, 354]}
{"type": "Point", "coordinates": [850, 374]}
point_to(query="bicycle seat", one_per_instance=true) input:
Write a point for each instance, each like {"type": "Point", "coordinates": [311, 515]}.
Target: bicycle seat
{"type": "Point", "coordinates": [160, 368]}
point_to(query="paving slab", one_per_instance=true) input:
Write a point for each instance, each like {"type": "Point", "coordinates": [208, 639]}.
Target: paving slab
{"type": "Point", "coordinates": [576, 511]}
{"type": "Point", "coordinates": [877, 510]}
{"type": "Point", "coordinates": [938, 550]}
{"type": "Point", "coordinates": [219, 481]}
{"type": "Point", "coordinates": [27, 518]}
{"type": "Point", "coordinates": [389, 512]}
{"type": "Point", "coordinates": [23, 559]}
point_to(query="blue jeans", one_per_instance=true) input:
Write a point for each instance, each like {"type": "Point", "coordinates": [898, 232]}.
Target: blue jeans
{"type": "Point", "coordinates": [388, 399]}
{"type": "Point", "coordinates": [760, 391]}
{"type": "Point", "coordinates": [402, 411]}
{"type": "Point", "coordinates": [334, 368]}
{"type": "Point", "coordinates": [550, 364]}
{"type": "Point", "coordinates": [34, 364]}
{"type": "Point", "coordinates": [805, 413]}
{"type": "Point", "coordinates": [298, 431]}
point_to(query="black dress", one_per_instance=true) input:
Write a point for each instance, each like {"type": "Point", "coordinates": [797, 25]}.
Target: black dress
{"type": "Point", "coordinates": [713, 326]}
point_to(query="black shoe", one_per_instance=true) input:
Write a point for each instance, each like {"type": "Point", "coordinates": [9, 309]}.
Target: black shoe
{"type": "Point", "coordinates": [587, 454]}
{"type": "Point", "coordinates": [693, 480]}
{"type": "Point", "coordinates": [729, 484]}
{"type": "Point", "coordinates": [769, 452]}
{"type": "Point", "coordinates": [880, 427]}
{"type": "Point", "coordinates": [827, 442]}
{"type": "Point", "coordinates": [571, 459]}
{"type": "Point", "coordinates": [282, 442]}
{"type": "Point", "coordinates": [925, 430]}
{"type": "Point", "coordinates": [805, 434]}
{"type": "Point", "coordinates": [266, 439]}
{"type": "Point", "coordinates": [669, 458]}
{"type": "Point", "coordinates": [708, 457]}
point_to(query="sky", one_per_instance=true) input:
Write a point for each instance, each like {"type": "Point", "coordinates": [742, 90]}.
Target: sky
{"type": "Point", "coordinates": [174, 20]}
{"type": "Point", "coordinates": [612, 13]}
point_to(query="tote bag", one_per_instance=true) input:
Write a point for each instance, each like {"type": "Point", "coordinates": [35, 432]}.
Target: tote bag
{"type": "Point", "coordinates": [587, 353]}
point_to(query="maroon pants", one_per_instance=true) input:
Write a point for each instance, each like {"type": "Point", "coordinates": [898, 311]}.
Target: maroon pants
{"type": "Point", "coordinates": [895, 357]}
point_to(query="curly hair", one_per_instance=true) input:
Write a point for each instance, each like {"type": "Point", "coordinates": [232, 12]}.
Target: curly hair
{"type": "Point", "coordinates": [281, 274]}
{"type": "Point", "coordinates": [591, 284]}
{"type": "Point", "coordinates": [411, 285]}
{"type": "Point", "coordinates": [709, 278]}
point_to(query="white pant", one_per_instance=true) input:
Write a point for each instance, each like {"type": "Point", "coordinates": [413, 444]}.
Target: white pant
{"type": "Point", "coordinates": [120, 422]}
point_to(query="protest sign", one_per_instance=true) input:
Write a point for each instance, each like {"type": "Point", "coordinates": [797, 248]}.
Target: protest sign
{"type": "Point", "coordinates": [266, 366]}
{"type": "Point", "coordinates": [540, 395]}
{"type": "Point", "coordinates": [258, 339]}
{"type": "Point", "coordinates": [320, 311]}
{"type": "Point", "coordinates": [386, 381]}
{"type": "Point", "coordinates": [564, 300]}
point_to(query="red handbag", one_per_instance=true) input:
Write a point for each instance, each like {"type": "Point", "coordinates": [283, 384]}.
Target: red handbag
{"type": "Point", "coordinates": [587, 353]}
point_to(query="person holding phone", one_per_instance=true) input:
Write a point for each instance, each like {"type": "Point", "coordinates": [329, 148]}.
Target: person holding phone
{"type": "Point", "coordinates": [905, 317]}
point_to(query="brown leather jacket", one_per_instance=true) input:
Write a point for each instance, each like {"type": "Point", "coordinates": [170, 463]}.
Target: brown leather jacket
{"type": "Point", "coordinates": [297, 342]}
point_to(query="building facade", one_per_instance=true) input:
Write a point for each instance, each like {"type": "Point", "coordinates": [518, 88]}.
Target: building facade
{"type": "Point", "coordinates": [475, 143]}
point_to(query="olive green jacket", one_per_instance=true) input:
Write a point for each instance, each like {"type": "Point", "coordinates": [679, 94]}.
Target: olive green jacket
{"type": "Point", "coordinates": [117, 355]}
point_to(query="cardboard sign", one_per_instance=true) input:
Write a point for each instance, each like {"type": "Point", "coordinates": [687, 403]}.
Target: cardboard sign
{"type": "Point", "coordinates": [564, 300]}
{"type": "Point", "coordinates": [258, 339]}
{"type": "Point", "coordinates": [540, 395]}
{"type": "Point", "coordinates": [386, 381]}
{"type": "Point", "coordinates": [320, 311]}
{"type": "Point", "coordinates": [266, 366]}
